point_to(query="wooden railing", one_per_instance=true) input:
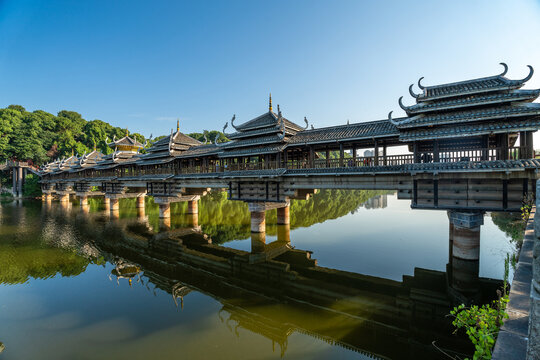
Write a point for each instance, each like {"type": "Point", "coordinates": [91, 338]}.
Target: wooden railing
{"type": "Point", "coordinates": [346, 162]}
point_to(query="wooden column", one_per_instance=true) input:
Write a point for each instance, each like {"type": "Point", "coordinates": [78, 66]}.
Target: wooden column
{"type": "Point", "coordinates": [415, 152]}
{"type": "Point", "coordinates": [341, 155]}
{"type": "Point", "coordinates": [354, 154]}
{"type": "Point", "coordinates": [385, 162]}
{"type": "Point", "coordinates": [311, 157]}
{"type": "Point", "coordinates": [530, 148]}
{"type": "Point", "coordinates": [504, 146]}
{"type": "Point", "coordinates": [436, 151]}
{"type": "Point", "coordinates": [327, 157]}
{"type": "Point", "coordinates": [376, 153]}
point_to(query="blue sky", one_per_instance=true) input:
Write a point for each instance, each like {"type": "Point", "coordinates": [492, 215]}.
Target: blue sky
{"type": "Point", "coordinates": [142, 64]}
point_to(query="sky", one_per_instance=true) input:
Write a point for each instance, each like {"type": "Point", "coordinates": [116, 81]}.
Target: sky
{"type": "Point", "coordinates": [143, 64]}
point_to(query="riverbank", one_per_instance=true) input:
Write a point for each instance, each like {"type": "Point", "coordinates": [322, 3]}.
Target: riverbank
{"type": "Point", "coordinates": [513, 337]}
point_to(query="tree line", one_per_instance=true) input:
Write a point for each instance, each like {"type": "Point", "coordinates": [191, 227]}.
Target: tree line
{"type": "Point", "coordinates": [42, 137]}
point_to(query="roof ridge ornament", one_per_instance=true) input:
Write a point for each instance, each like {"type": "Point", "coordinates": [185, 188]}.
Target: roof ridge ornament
{"type": "Point", "coordinates": [232, 122]}
{"type": "Point", "coordinates": [205, 138]}
{"type": "Point", "coordinates": [528, 77]}
{"type": "Point", "coordinates": [270, 103]}
{"type": "Point", "coordinates": [412, 92]}
{"type": "Point", "coordinates": [306, 121]}
{"type": "Point", "coordinates": [282, 124]}
{"type": "Point", "coordinates": [170, 142]}
{"type": "Point", "coordinates": [392, 120]}
{"type": "Point", "coordinates": [505, 69]}
{"type": "Point", "coordinates": [420, 85]}
{"type": "Point", "coordinates": [400, 101]}
{"type": "Point", "coordinates": [312, 127]}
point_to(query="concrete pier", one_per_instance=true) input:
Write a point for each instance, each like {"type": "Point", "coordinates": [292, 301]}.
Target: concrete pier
{"type": "Point", "coordinates": [83, 201]}
{"type": "Point", "coordinates": [140, 201]}
{"type": "Point", "coordinates": [465, 249]}
{"type": "Point", "coordinates": [64, 198]}
{"type": "Point", "coordinates": [107, 203]}
{"type": "Point", "coordinates": [114, 204]}
{"type": "Point", "coordinates": [165, 210]}
{"type": "Point", "coordinates": [284, 233]}
{"type": "Point", "coordinates": [258, 221]}
{"type": "Point", "coordinates": [193, 207]}
{"type": "Point", "coordinates": [283, 215]}
{"type": "Point", "coordinates": [141, 213]}
{"type": "Point", "coordinates": [47, 198]}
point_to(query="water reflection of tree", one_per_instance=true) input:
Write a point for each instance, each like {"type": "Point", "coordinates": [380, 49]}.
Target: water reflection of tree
{"type": "Point", "coordinates": [511, 224]}
{"type": "Point", "coordinates": [33, 260]}
{"type": "Point", "coordinates": [224, 220]}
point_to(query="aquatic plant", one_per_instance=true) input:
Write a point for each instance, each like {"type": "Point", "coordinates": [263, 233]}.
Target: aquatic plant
{"type": "Point", "coordinates": [482, 323]}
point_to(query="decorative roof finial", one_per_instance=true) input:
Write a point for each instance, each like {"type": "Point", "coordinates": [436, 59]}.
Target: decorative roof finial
{"type": "Point", "coordinates": [400, 101]}
{"type": "Point", "coordinates": [177, 124]}
{"type": "Point", "coordinates": [72, 152]}
{"type": "Point", "coordinates": [505, 69]}
{"type": "Point", "coordinates": [232, 122]}
{"type": "Point", "coordinates": [127, 131]}
{"type": "Point", "coordinates": [278, 110]}
{"type": "Point", "coordinates": [270, 103]}
{"type": "Point", "coordinates": [531, 72]}
{"type": "Point", "coordinates": [95, 147]}
{"type": "Point", "coordinates": [420, 85]}
{"type": "Point", "coordinates": [412, 92]}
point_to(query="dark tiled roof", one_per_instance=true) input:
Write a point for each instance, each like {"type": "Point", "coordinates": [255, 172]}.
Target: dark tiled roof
{"type": "Point", "coordinates": [474, 86]}
{"type": "Point", "coordinates": [201, 150]}
{"type": "Point", "coordinates": [470, 130]}
{"type": "Point", "coordinates": [498, 112]}
{"type": "Point", "coordinates": [367, 130]}
{"type": "Point", "coordinates": [473, 100]}
{"type": "Point", "coordinates": [262, 131]}
{"type": "Point", "coordinates": [126, 141]}
{"type": "Point", "coordinates": [267, 119]}
{"type": "Point", "coordinates": [252, 142]}
{"type": "Point", "coordinates": [252, 151]}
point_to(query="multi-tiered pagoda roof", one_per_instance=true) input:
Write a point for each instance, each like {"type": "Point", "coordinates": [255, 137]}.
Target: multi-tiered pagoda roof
{"type": "Point", "coordinates": [169, 147]}
{"type": "Point", "coordinates": [88, 160]}
{"type": "Point", "coordinates": [268, 133]}
{"type": "Point", "coordinates": [126, 151]}
{"type": "Point", "coordinates": [494, 104]}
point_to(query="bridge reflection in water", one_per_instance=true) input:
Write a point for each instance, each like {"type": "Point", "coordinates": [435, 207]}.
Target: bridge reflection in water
{"type": "Point", "coordinates": [276, 290]}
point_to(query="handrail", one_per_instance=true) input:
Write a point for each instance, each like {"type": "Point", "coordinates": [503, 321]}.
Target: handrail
{"type": "Point", "coordinates": [201, 167]}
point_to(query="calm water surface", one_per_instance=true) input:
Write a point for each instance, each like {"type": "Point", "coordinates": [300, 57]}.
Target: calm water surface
{"type": "Point", "coordinates": [67, 293]}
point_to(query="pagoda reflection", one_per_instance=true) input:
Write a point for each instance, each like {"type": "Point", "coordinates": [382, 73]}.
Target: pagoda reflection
{"type": "Point", "coordinates": [276, 290]}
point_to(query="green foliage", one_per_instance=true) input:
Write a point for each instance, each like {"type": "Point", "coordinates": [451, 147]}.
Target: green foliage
{"type": "Point", "coordinates": [31, 186]}
{"type": "Point", "coordinates": [511, 224]}
{"type": "Point", "coordinates": [482, 324]}
{"type": "Point", "coordinates": [527, 205]}
{"type": "Point", "coordinates": [210, 136]}
{"type": "Point", "coordinates": [41, 137]}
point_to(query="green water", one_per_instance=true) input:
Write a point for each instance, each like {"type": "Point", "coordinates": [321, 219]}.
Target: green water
{"type": "Point", "coordinates": [79, 284]}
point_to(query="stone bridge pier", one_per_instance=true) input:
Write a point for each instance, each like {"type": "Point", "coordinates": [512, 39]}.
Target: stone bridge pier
{"type": "Point", "coordinates": [260, 251]}
{"type": "Point", "coordinates": [464, 248]}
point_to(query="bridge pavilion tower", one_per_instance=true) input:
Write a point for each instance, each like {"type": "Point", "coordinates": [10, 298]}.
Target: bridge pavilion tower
{"type": "Point", "coordinates": [168, 157]}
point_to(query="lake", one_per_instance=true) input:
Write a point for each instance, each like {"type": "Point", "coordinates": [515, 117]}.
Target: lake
{"type": "Point", "coordinates": [78, 283]}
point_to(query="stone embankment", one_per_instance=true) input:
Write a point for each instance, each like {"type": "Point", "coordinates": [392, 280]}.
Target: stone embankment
{"type": "Point", "coordinates": [519, 337]}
